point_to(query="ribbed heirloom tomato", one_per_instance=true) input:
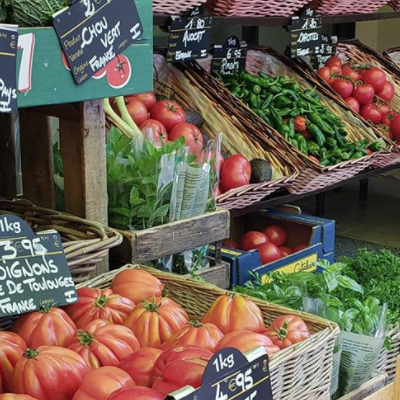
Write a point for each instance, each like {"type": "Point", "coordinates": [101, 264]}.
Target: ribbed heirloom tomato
{"type": "Point", "coordinates": [140, 365]}
{"type": "Point", "coordinates": [12, 348]}
{"type": "Point", "coordinates": [50, 326]}
{"type": "Point", "coordinates": [195, 333]}
{"type": "Point", "coordinates": [104, 344]}
{"type": "Point", "coordinates": [233, 312]}
{"type": "Point", "coordinates": [49, 373]}
{"type": "Point", "coordinates": [156, 320]}
{"type": "Point", "coordinates": [137, 285]}
{"type": "Point", "coordinates": [235, 172]}
{"type": "Point", "coordinates": [101, 383]}
{"type": "Point", "coordinates": [136, 393]}
{"type": "Point", "coordinates": [99, 304]}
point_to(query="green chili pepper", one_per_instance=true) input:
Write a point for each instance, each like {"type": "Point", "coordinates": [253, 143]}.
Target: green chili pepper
{"type": "Point", "coordinates": [295, 112]}
{"type": "Point", "coordinates": [283, 99]}
{"type": "Point", "coordinates": [317, 120]}
{"type": "Point", "coordinates": [257, 89]}
{"type": "Point", "coordinates": [334, 153]}
{"type": "Point", "coordinates": [316, 133]}
{"type": "Point", "coordinates": [356, 155]}
{"type": "Point", "coordinates": [284, 112]}
{"type": "Point", "coordinates": [301, 140]}
{"type": "Point", "coordinates": [253, 100]}
{"type": "Point", "coordinates": [263, 115]}
{"type": "Point", "coordinates": [339, 138]}
{"type": "Point", "coordinates": [279, 124]}
{"type": "Point", "coordinates": [292, 133]}
{"type": "Point", "coordinates": [330, 142]}
{"type": "Point", "coordinates": [310, 100]}
{"type": "Point", "coordinates": [267, 101]}
{"type": "Point", "coordinates": [376, 146]}
{"type": "Point", "coordinates": [274, 89]}
{"type": "Point", "coordinates": [294, 142]}
{"type": "Point", "coordinates": [290, 93]}
{"type": "Point", "coordinates": [313, 148]}
{"type": "Point", "coordinates": [345, 156]}
{"type": "Point", "coordinates": [292, 86]}
{"type": "Point", "coordinates": [324, 162]}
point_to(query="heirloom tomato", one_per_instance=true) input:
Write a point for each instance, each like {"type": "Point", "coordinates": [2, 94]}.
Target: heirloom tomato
{"type": "Point", "coordinates": [364, 93]}
{"type": "Point", "coordinates": [154, 132]}
{"type": "Point", "coordinates": [148, 99]}
{"type": "Point", "coordinates": [332, 61]}
{"type": "Point", "coordinates": [169, 113]}
{"type": "Point", "coordinates": [179, 367]}
{"type": "Point", "coordinates": [326, 74]}
{"type": "Point", "coordinates": [395, 126]}
{"type": "Point", "coordinates": [103, 344]}
{"type": "Point", "coordinates": [136, 393]}
{"type": "Point", "coordinates": [246, 341]}
{"type": "Point", "coordinates": [137, 285]}
{"type": "Point", "coordinates": [276, 234]}
{"type": "Point", "coordinates": [375, 77]}
{"type": "Point", "coordinates": [387, 92]}
{"type": "Point", "coordinates": [156, 320]}
{"type": "Point", "coordinates": [343, 87]}
{"type": "Point", "coordinates": [371, 113]}
{"type": "Point", "coordinates": [99, 304]}
{"type": "Point", "coordinates": [232, 312]}
{"type": "Point", "coordinates": [140, 365]}
{"type": "Point", "coordinates": [252, 239]}
{"type": "Point", "coordinates": [100, 383]}
{"type": "Point", "coordinates": [235, 172]}
{"type": "Point", "coordinates": [350, 73]}
{"type": "Point", "coordinates": [50, 326]}
{"type": "Point", "coordinates": [388, 118]}
{"type": "Point", "coordinates": [195, 333]}
{"type": "Point", "coordinates": [14, 396]}
{"type": "Point", "coordinates": [49, 372]}
{"type": "Point", "coordinates": [137, 110]}
{"type": "Point", "coordinates": [12, 348]}
{"type": "Point", "coordinates": [193, 137]}
{"type": "Point", "coordinates": [353, 103]}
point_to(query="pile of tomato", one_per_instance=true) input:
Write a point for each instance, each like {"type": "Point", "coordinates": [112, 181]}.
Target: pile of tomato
{"type": "Point", "coordinates": [129, 342]}
{"type": "Point", "coordinates": [366, 90]}
{"type": "Point", "coordinates": [271, 243]}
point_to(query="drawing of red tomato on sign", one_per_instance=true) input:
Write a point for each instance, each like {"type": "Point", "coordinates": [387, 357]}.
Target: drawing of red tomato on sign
{"type": "Point", "coordinates": [118, 72]}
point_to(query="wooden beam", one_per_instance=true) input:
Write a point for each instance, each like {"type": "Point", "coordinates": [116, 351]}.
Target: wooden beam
{"type": "Point", "coordinates": [65, 111]}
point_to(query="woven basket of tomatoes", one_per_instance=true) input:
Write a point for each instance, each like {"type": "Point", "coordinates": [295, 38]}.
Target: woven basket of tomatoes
{"type": "Point", "coordinates": [242, 142]}
{"type": "Point", "coordinates": [369, 84]}
{"type": "Point", "coordinates": [303, 116]}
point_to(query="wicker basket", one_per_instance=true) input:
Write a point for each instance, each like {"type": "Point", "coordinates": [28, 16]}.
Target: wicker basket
{"type": "Point", "coordinates": [395, 4]}
{"type": "Point", "coordinates": [334, 7]}
{"type": "Point", "coordinates": [175, 7]}
{"type": "Point", "coordinates": [193, 88]}
{"type": "Point", "coordinates": [388, 358]}
{"type": "Point", "coordinates": [255, 8]}
{"type": "Point", "coordinates": [301, 372]}
{"type": "Point", "coordinates": [86, 243]}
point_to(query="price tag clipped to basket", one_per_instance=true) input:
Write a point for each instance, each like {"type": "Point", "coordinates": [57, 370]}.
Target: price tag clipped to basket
{"type": "Point", "coordinates": [190, 36]}
{"type": "Point", "coordinates": [305, 33]}
{"type": "Point", "coordinates": [33, 269]}
{"type": "Point", "coordinates": [325, 51]}
{"type": "Point", "coordinates": [230, 58]}
{"type": "Point", "coordinates": [94, 32]}
{"type": "Point", "coordinates": [8, 68]}
{"type": "Point", "coordinates": [230, 375]}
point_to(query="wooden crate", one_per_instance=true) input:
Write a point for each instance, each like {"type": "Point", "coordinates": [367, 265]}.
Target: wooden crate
{"type": "Point", "coordinates": [150, 244]}
{"type": "Point", "coordinates": [218, 275]}
{"type": "Point", "coordinates": [378, 381]}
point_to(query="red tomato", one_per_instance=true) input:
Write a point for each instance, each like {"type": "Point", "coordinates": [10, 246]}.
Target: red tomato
{"type": "Point", "coordinates": [234, 313]}
{"type": "Point", "coordinates": [99, 304]}
{"type": "Point", "coordinates": [195, 333]}
{"type": "Point", "coordinates": [49, 326]}
{"type": "Point", "coordinates": [333, 61]}
{"type": "Point", "coordinates": [245, 341]}
{"type": "Point", "coordinates": [285, 250]}
{"type": "Point", "coordinates": [371, 113]}
{"type": "Point", "coordinates": [350, 73]}
{"type": "Point", "coordinates": [342, 87]}
{"type": "Point", "coordinates": [353, 103]}
{"type": "Point", "coordinates": [326, 74]}
{"type": "Point", "coordinates": [388, 118]}
{"type": "Point", "coordinates": [383, 108]}
{"type": "Point", "coordinates": [375, 77]}
{"type": "Point", "coordinates": [140, 365]}
{"type": "Point", "coordinates": [100, 383]}
{"type": "Point", "coordinates": [193, 137]}
{"type": "Point", "coordinates": [137, 110]}
{"type": "Point", "coordinates": [276, 234]}
{"type": "Point", "coordinates": [336, 70]}
{"type": "Point", "coordinates": [136, 393]}
{"type": "Point", "coordinates": [137, 285]}
{"type": "Point", "coordinates": [231, 244]}
{"type": "Point", "coordinates": [397, 142]}
{"type": "Point", "coordinates": [169, 113]}
{"type": "Point", "coordinates": [156, 320]}
{"type": "Point", "coordinates": [118, 72]}
{"type": "Point", "coordinates": [364, 93]}
{"type": "Point", "coordinates": [387, 92]}
{"type": "Point", "coordinates": [11, 350]}
{"type": "Point", "coordinates": [300, 247]}
{"type": "Point", "coordinates": [386, 131]}
{"type": "Point", "coordinates": [49, 372]}
{"type": "Point", "coordinates": [103, 344]}
{"type": "Point", "coordinates": [395, 126]}
{"type": "Point", "coordinates": [252, 239]}
{"type": "Point", "coordinates": [154, 131]}
{"type": "Point", "coordinates": [235, 172]}
{"type": "Point", "coordinates": [13, 396]}
{"type": "Point", "coordinates": [269, 252]}
{"type": "Point", "coordinates": [287, 330]}
{"type": "Point", "coordinates": [180, 367]}
{"type": "Point", "coordinates": [148, 99]}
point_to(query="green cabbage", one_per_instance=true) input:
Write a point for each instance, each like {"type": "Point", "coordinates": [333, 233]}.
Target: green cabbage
{"type": "Point", "coordinates": [34, 12]}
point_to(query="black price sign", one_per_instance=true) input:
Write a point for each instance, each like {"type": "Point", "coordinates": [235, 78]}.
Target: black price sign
{"type": "Point", "coordinates": [8, 68]}
{"type": "Point", "coordinates": [326, 50]}
{"type": "Point", "coordinates": [305, 33]}
{"type": "Point", "coordinates": [33, 269]}
{"type": "Point", "coordinates": [94, 32]}
{"type": "Point", "coordinates": [190, 37]}
{"type": "Point", "coordinates": [230, 58]}
{"type": "Point", "coordinates": [229, 375]}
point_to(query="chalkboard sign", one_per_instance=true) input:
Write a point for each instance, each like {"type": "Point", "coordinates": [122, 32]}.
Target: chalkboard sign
{"type": "Point", "coordinates": [94, 32]}
{"type": "Point", "coordinates": [305, 33]}
{"type": "Point", "coordinates": [33, 269]}
{"type": "Point", "coordinates": [189, 37]}
{"type": "Point", "coordinates": [8, 68]}
{"type": "Point", "coordinates": [326, 50]}
{"type": "Point", "coordinates": [229, 375]}
{"type": "Point", "coordinates": [230, 58]}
